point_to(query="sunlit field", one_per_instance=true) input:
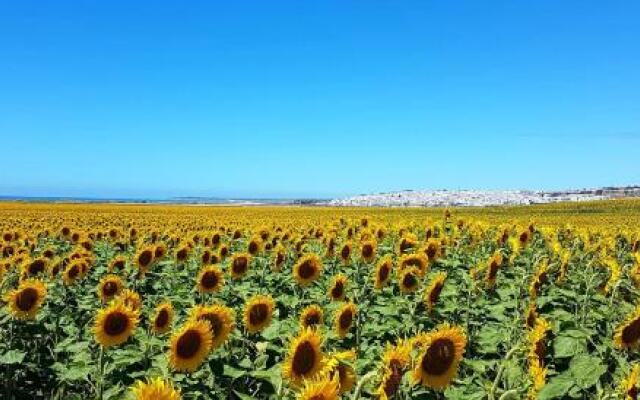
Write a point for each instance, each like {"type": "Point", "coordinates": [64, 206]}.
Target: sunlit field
{"type": "Point", "coordinates": [197, 302]}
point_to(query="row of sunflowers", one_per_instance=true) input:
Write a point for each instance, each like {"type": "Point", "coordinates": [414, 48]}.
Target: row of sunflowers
{"type": "Point", "coordinates": [149, 302]}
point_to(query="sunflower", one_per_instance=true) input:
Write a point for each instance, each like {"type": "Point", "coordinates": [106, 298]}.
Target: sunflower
{"type": "Point", "coordinates": [190, 345]}
{"type": "Point", "coordinates": [117, 264]}
{"type": "Point", "coordinates": [344, 318]}
{"type": "Point", "coordinates": [312, 316]}
{"type": "Point", "coordinates": [438, 363]}
{"type": "Point", "coordinates": [407, 243]}
{"type": "Point", "coordinates": [72, 273]}
{"type": "Point", "coordinates": [368, 250]}
{"type": "Point", "coordinates": [324, 388]}
{"type": "Point", "coordinates": [307, 269]}
{"type": "Point", "coordinates": [304, 359]}
{"type": "Point", "coordinates": [339, 365]}
{"type": "Point", "coordinates": [25, 301]}
{"type": "Point", "coordinates": [222, 321]}
{"type": "Point", "coordinates": [629, 385]}
{"type": "Point", "coordinates": [240, 264]}
{"type": "Point", "coordinates": [254, 246]}
{"type": "Point", "coordinates": [395, 361]}
{"type": "Point", "coordinates": [258, 312]}
{"type": "Point", "coordinates": [114, 324]}
{"type": "Point", "coordinates": [337, 288]}
{"type": "Point", "coordinates": [531, 316]}
{"type": "Point", "coordinates": [627, 335]}
{"type": "Point", "coordinates": [36, 267]}
{"type": "Point", "coordinates": [182, 254]}
{"type": "Point", "coordinates": [163, 317]}
{"type": "Point", "coordinates": [539, 279]}
{"type": "Point", "coordinates": [210, 279]}
{"type": "Point", "coordinates": [536, 338]}
{"type": "Point", "coordinates": [144, 258]}
{"type": "Point", "coordinates": [345, 253]}
{"type": "Point", "coordinates": [492, 269]}
{"type": "Point", "coordinates": [433, 249]}
{"type": "Point", "coordinates": [279, 257]}
{"type": "Point", "coordinates": [130, 299]}
{"type": "Point", "coordinates": [538, 376]}
{"type": "Point", "coordinates": [109, 287]}
{"type": "Point", "coordinates": [419, 261]}
{"type": "Point", "coordinates": [223, 252]}
{"type": "Point", "coordinates": [154, 389]}
{"type": "Point", "coordinates": [408, 279]}
{"type": "Point", "coordinates": [432, 293]}
{"type": "Point", "coordinates": [383, 272]}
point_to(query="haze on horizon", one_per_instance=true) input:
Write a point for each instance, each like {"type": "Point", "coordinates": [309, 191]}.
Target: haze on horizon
{"type": "Point", "coordinates": [316, 99]}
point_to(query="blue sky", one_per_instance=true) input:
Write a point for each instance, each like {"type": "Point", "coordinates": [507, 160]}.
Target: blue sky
{"type": "Point", "coordinates": [316, 98]}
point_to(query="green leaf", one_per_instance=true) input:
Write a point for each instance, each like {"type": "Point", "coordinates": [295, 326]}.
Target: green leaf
{"type": "Point", "coordinates": [586, 370]}
{"type": "Point", "coordinates": [566, 346]}
{"type": "Point", "coordinates": [232, 372]}
{"type": "Point", "coordinates": [12, 357]}
{"type": "Point", "coordinates": [557, 387]}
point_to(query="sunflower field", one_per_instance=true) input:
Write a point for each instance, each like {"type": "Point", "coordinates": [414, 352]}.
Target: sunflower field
{"type": "Point", "coordinates": [154, 302]}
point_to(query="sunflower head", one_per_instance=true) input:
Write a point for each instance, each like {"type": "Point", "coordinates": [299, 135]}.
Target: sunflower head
{"type": "Point", "coordinates": [221, 319]}
{"type": "Point", "coordinates": [383, 272]}
{"type": "Point", "coordinates": [629, 385]}
{"type": "Point", "coordinates": [109, 287]}
{"type": "Point", "coordinates": [131, 299]}
{"type": "Point", "coordinates": [442, 352]}
{"type": "Point", "coordinates": [210, 279]}
{"type": "Point", "coordinates": [154, 389]}
{"type": "Point", "coordinates": [25, 301]}
{"type": "Point", "coordinates": [432, 293]}
{"type": "Point", "coordinates": [114, 324]}
{"type": "Point", "coordinates": [344, 319]}
{"type": "Point", "coordinates": [409, 279]}
{"type": "Point", "coordinates": [258, 312]}
{"type": "Point", "coordinates": [339, 365]}
{"type": "Point", "coordinates": [345, 253]}
{"type": "Point", "coordinates": [304, 359]}
{"type": "Point", "coordinates": [33, 268]}
{"type": "Point", "coordinates": [117, 264]}
{"type": "Point", "coordinates": [338, 288]}
{"type": "Point", "coordinates": [144, 258]}
{"type": "Point", "coordinates": [279, 257]}
{"type": "Point", "coordinates": [368, 250]}
{"type": "Point", "coordinates": [190, 346]}
{"type": "Point", "coordinates": [395, 361]}
{"type": "Point", "coordinates": [254, 246]}
{"type": "Point", "coordinates": [239, 264]}
{"type": "Point", "coordinates": [307, 269]}
{"type": "Point", "coordinates": [73, 272]}
{"type": "Point", "coordinates": [163, 317]}
{"type": "Point", "coordinates": [312, 316]}
{"type": "Point", "coordinates": [416, 260]}
{"type": "Point", "coordinates": [407, 243]}
{"type": "Point", "coordinates": [324, 388]}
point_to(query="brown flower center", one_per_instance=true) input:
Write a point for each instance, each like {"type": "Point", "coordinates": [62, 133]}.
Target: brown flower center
{"type": "Point", "coordinates": [307, 269]}
{"type": "Point", "coordinates": [438, 357]}
{"type": "Point", "coordinates": [304, 358]}
{"type": "Point", "coordinates": [162, 319]}
{"type": "Point", "coordinates": [258, 314]}
{"type": "Point", "coordinates": [116, 323]}
{"type": "Point", "coordinates": [188, 344]}
{"type": "Point", "coordinates": [26, 299]}
{"type": "Point", "coordinates": [346, 318]}
{"type": "Point", "coordinates": [209, 280]}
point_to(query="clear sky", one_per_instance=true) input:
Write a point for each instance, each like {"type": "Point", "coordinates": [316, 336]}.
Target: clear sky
{"type": "Point", "coordinates": [316, 98]}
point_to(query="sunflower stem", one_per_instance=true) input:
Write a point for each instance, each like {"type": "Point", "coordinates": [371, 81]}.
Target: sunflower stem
{"type": "Point", "coordinates": [99, 382]}
{"type": "Point", "coordinates": [496, 381]}
{"type": "Point", "coordinates": [363, 381]}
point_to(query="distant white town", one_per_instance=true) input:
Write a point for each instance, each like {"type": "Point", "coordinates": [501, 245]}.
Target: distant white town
{"type": "Point", "coordinates": [479, 198]}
